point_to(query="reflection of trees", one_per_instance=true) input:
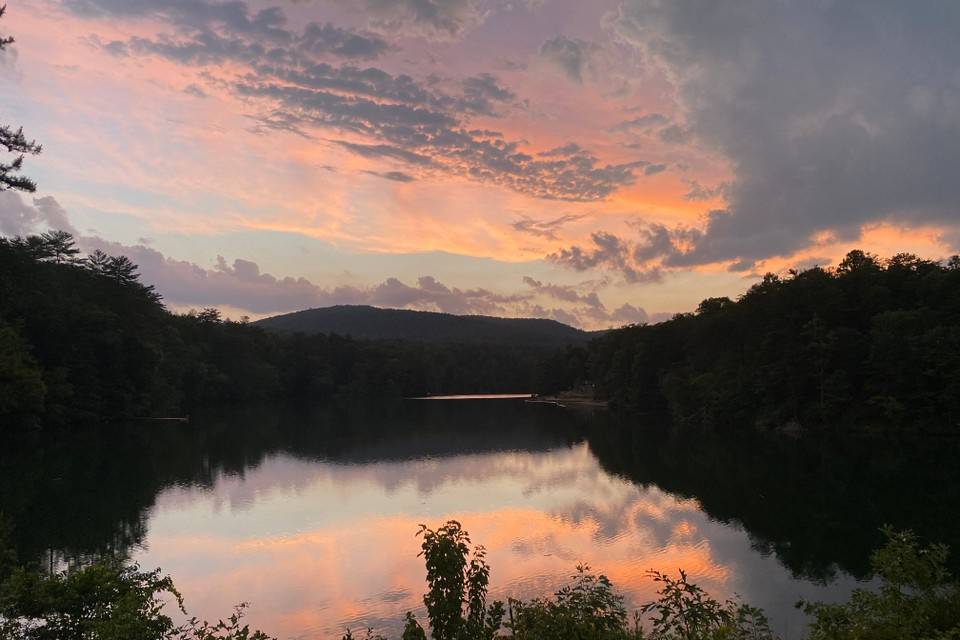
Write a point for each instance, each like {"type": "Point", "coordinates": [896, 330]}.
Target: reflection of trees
{"type": "Point", "coordinates": [86, 493]}
{"type": "Point", "coordinates": [817, 503]}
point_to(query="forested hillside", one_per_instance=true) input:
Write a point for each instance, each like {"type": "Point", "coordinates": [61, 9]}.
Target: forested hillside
{"type": "Point", "coordinates": [83, 338]}
{"type": "Point", "coordinates": [360, 321]}
{"type": "Point", "coordinates": [871, 342]}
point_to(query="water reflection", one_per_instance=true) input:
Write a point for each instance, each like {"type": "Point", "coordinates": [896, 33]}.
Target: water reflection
{"type": "Point", "coordinates": [310, 515]}
{"type": "Point", "coordinates": [322, 545]}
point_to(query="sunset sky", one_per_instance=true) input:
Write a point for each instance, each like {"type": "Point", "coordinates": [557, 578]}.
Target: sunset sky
{"type": "Point", "coordinates": [598, 163]}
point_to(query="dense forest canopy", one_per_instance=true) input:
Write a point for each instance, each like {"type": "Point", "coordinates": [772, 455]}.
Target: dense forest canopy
{"type": "Point", "coordinates": [83, 338]}
{"type": "Point", "coordinates": [870, 342]}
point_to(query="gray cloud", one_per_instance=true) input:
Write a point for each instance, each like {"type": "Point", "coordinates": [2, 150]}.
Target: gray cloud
{"type": "Point", "coordinates": [655, 241]}
{"type": "Point", "coordinates": [209, 47]}
{"type": "Point", "coordinates": [384, 151]}
{"type": "Point", "coordinates": [653, 169]}
{"type": "Point", "coordinates": [436, 19]}
{"type": "Point", "coordinates": [589, 307]}
{"type": "Point", "coordinates": [326, 38]}
{"type": "Point", "coordinates": [416, 127]}
{"type": "Point", "coordinates": [482, 91]}
{"type": "Point", "coordinates": [267, 123]}
{"type": "Point", "coordinates": [608, 252]}
{"type": "Point", "coordinates": [629, 314]}
{"type": "Point", "coordinates": [570, 55]}
{"type": "Point", "coordinates": [398, 118]}
{"type": "Point", "coordinates": [396, 176]}
{"type": "Point", "coordinates": [643, 124]}
{"type": "Point", "coordinates": [571, 148]}
{"type": "Point", "coordinates": [544, 228]}
{"type": "Point", "coordinates": [566, 293]}
{"type": "Point", "coordinates": [195, 91]}
{"type": "Point", "coordinates": [18, 218]}
{"type": "Point", "coordinates": [698, 191]}
{"type": "Point", "coordinates": [833, 115]}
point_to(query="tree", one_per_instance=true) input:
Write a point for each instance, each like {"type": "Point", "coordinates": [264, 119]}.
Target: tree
{"type": "Point", "coordinates": [98, 262]}
{"type": "Point", "coordinates": [457, 594]}
{"type": "Point", "coordinates": [917, 597]}
{"type": "Point", "coordinates": [62, 246]}
{"type": "Point", "coordinates": [22, 389]}
{"type": "Point", "coordinates": [122, 270]}
{"type": "Point", "coordinates": [15, 142]}
{"type": "Point", "coordinates": [858, 261]}
{"type": "Point", "coordinates": [107, 601]}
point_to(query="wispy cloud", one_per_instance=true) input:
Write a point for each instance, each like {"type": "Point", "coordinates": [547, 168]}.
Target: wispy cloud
{"type": "Point", "coordinates": [301, 81]}
{"type": "Point", "coordinates": [545, 228]}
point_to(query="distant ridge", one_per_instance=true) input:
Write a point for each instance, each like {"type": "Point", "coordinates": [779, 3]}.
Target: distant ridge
{"type": "Point", "coordinates": [373, 323]}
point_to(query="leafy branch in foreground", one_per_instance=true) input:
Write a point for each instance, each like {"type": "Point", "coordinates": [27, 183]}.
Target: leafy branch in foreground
{"type": "Point", "coordinates": [105, 601]}
{"type": "Point", "coordinates": [685, 611]}
{"type": "Point", "coordinates": [917, 598]}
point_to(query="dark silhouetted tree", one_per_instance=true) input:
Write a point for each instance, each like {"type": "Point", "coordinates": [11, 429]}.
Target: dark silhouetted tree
{"type": "Point", "coordinates": [14, 142]}
{"type": "Point", "coordinates": [122, 270]}
{"type": "Point", "coordinates": [98, 262]}
{"type": "Point", "coordinates": [61, 246]}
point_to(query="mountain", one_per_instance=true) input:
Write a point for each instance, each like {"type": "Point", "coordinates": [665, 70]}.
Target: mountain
{"type": "Point", "coordinates": [426, 326]}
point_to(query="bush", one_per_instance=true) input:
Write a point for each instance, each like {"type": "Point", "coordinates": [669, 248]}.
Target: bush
{"type": "Point", "coordinates": [917, 598]}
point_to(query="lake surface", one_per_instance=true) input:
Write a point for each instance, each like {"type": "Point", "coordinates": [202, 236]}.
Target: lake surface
{"type": "Point", "coordinates": [310, 516]}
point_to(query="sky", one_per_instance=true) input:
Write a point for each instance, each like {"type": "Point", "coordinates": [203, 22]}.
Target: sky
{"type": "Point", "coordinates": [599, 163]}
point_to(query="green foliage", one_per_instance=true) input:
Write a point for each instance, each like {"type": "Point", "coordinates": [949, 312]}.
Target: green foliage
{"type": "Point", "coordinates": [684, 611]}
{"type": "Point", "coordinates": [104, 601]}
{"type": "Point", "coordinates": [457, 580]}
{"type": "Point", "coordinates": [871, 342]}
{"type": "Point", "coordinates": [587, 608]}
{"type": "Point", "coordinates": [229, 629]}
{"type": "Point", "coordinates": [412, 629]}
{"type": "Point", "coordinates": [917, 598]}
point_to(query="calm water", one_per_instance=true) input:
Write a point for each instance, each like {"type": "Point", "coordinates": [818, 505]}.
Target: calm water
{"type": "Point", "coordinates": [310, 516]}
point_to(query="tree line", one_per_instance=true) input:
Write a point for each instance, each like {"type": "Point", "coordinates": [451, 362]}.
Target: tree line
{"type": "Point", "coordinates": [82, 338]}
{"type": "Point", "coordinates": [871, 342]}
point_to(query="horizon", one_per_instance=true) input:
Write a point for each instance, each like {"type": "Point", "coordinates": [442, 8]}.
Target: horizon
{"type": "Point", "coordinates": [596, 165]}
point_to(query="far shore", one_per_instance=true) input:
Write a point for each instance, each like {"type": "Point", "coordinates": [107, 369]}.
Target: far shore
{"type": "Point", "coordinates": [570, 399]}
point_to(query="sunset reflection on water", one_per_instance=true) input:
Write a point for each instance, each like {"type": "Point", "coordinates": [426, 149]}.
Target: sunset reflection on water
{"type": "Point", "coordinates": [317, 546]}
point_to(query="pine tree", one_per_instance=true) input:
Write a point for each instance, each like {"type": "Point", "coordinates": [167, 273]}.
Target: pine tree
{"type": "Point", "coordinates": [98, 262]}
{"type": "Point", "coordinates": [62, 246]}
{"type": "Point", "coordinates": [122, 269]}
{"type": "Point", "coordinates": [15, 142]}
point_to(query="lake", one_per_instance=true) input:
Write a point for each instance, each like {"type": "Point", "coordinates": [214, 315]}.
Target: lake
{"type": "Point", "coordinates": [309, 515]}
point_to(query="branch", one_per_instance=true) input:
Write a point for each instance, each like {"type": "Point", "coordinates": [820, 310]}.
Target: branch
{"type": "Point", "coordinates": [15, 142]}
